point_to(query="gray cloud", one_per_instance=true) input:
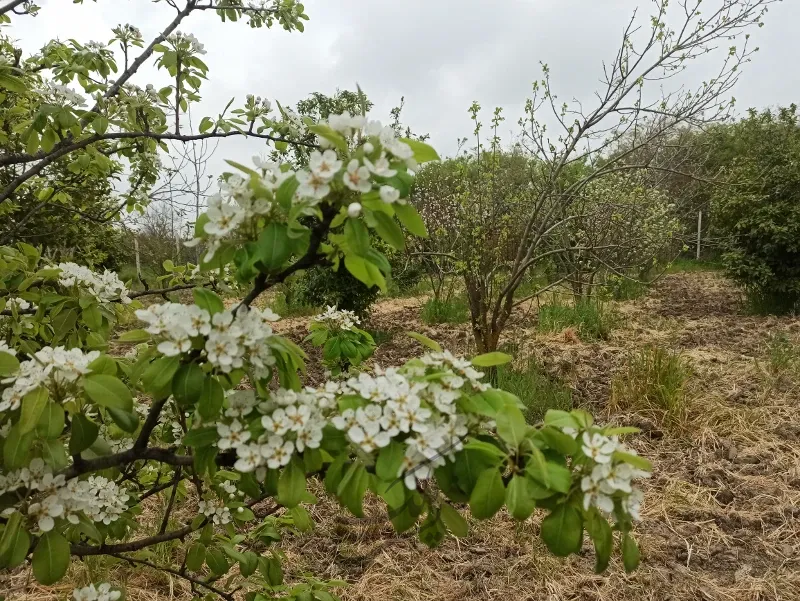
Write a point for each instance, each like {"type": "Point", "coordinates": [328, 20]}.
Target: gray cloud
{"type": "Point", "coordinates": [439, 54]}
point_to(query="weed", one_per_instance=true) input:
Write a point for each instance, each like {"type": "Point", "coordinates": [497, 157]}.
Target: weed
{"type": "Point", "coordinates": [452, 310]}
{"type": "Point", "coordinates": [622, 288]}
{"type": "Point", "coordinates": [683, 265]}
{"type": "Point", "coordinates": [591, 319]}
{"type": "Point", "coordinates": [783, 354]}
{"type": "Point", "coordinates": [653, 379]}
{"type": "Point", "coordinates": [761, 302]}
{"type": "Point", "coordinates": [380, 336]}
{"type": "Point", "coordinates": [537, 390]}
{"type": "Point", "coordinates": [285, 309]}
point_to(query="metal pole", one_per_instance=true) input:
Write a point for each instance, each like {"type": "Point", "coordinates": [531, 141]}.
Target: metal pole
{"type": "Point", "coordinates": [699, 230]}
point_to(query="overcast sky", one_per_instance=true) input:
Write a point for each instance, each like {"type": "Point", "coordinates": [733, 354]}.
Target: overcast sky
{"type": "Point", "coordinates": [440, 54]}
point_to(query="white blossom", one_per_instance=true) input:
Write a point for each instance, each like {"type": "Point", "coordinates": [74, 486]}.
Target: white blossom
{"type": "Point", "coordinates": [101, 592]}
{"type": "Point", "coordinates": [357, 177]}
{"type": "Point", "coordinates": [390, 194]}
{"type": "Point", "coordinates": [106, 287]}
{"type": "Point", "coordinates": [598, 447]}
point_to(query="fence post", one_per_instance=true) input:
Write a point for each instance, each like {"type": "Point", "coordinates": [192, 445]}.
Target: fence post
{"type": "Point", "coordinates": [699, 231]}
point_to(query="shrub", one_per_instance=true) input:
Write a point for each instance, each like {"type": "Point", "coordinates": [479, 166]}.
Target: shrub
{"type": "Point", "coordinates": [286, 305]}
{"type": "Point", "coordinates": [592, 319]}
{"type": "Point", "coordinates": [783, 354]}
{"type": "Point", "coordinates": [451, 310]}
{"type": "Point", "coordinates": [653, 379]}
{"type": "Point", "coordinates": [535, 388]}
{"type": "Point", "coordinates": [758, 216]}
{"type": "Point", "coordinates": [320, 287]}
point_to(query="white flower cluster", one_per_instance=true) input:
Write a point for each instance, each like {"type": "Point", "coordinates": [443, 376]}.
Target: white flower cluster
{"type": "Point", "coordinates": [234, 207]}
{"type": "Point", "coordinates": [231, 339]}
{"type": "Point", "coordinates": [49, 366]}
{"type": "Point", "coordinates": [416, 404]}
{"type": "Point", "coordinates": [424, 412]}
{"type": "Point", "coordinates": [106, 287]}
{"type": "Point", "coordinates": [4, 348]}
{"type": "Point", "coordinates": [98, 498]}
{"type": "Point", "coordinates": [215, 510]}
{"type": "Point", "coordinates": [20, 303]}
{"type": "Point", "coordinates": [101, 592]}
{"type": "Point", "coordinates": [338, 319]}
{"type": "Point", "coordinates": [607, 477]}
{"type": "Point", "coordinates": [292, 421]}
{"type": "Point", "coordinates": [186, 41]}
{"type": "Point", "coordinates": [64, 95]}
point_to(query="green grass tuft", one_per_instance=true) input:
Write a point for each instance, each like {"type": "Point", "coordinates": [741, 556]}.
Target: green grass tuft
{"type": "Point", "coordinates": [453, 310]}
{"type": "Point", "coordinates": [592, 319]}
{"type": "Point", "coordinates": [653, 380]}
{"type": "Point", "coordinates": [537, 390]}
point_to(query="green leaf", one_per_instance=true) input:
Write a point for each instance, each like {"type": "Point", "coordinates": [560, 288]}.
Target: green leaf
{"type": "Point", "coordinates": [454, 521]}
{"type": "Point", "coordinates": [216, 561]}
{"type": "Point", "coordinates": [33, 405]}
{"type": "Point", "coordinates": [560, 419]}
{"type": "Point", "coordinates": [127, 420]}
{"type": "Point", "coordinates": [519, 499]}
{"type": "Point", "coordinates": [388, 229]}
{"type": "Point", "coordinates": [285, 193]}
{"type": "Point", "coordinates": [357, 236]}
{"type": "Point", "coordinates": [100, 124]}
{"type": "Point", "coordinates": [201, 437]}
{"type": "Point", "coordinates": [599, 531]}
{"type": "Point", "coordinates": [334, 137]}
{"type": "Point", "coordinates": [410, 219]}
{"type": "Point", "coordinates": [291, 485]}
{"type": "Point", "coordinates": [393, 492]}
{"type": "Point", "coordinates": [390, 459]}
{"type": "Point", "coordinates": [274, 246]}
{"type": "Point", "coordinates": [16, 449]}
{"type": "Point", "coordinates": [12, 83]}
{"type": "Point", "coordinates": [211, 399]}
{"type": "Point", "coordinates": [634, 460]}
{"type": "Point", "coordinates": [103, 365]}
{"type": "Point", "coordinates": [15, 542]}
{"type": "Point", "coordinates": [54, 454]}
{"type": "Point", "coordinates": [51, 558]}
{"type": "Point", "coordinates": [208, 300]}
{"type": "Point", "coordinates": [301, 518]}
{"type": "Point", "coordinates": [422, 152]}
{"type": "Point", "coordinates": [426, 342]}
{"type": "Point", "coordinates": [562, 531]}
{"type": "Point", "coordinates": [432, 530]}
{"type": "Point", "coordinates": [157, 378]}
{"type": "Point", "coordinates": [108, 391]}
{"type": "Point", "coordinates": [134, 336]}
{"type": "Point", "coordinates": [552, 475]}
{"type": "Point", "coordinates": [488, 495]}
{"type": "Point", "coordinates": [557, 440]}
{"type": "Point", "coordinates": [195, 556]}
{"type": "Point", "coordinates": [630, 553]}
{"type": "Point", "coordinates": [188, 383]}
{"type": "Point", "coordinates": [51, 422]}
{"type": "Point", "coordinates": [270, 568]}
{"type": "Point", "coordinates": [9, 364]}
{"type": "Point", "coordinates": [206, 124]}
{"type": "Point", "coordinates": [84, 433]}
{"type": "Point", "coordinates": [491, 359]}
{"type": "Point", "coordinates": [511, 426]}
{"type": "Point", "coordinates": [352, 488]}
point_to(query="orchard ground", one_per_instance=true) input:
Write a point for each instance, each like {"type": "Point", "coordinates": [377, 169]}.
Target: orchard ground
{"type": "Point", "coordinates": [722, 512]}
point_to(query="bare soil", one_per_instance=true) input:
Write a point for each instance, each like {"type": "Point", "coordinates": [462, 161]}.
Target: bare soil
{"type": "Point", "coordinates": [722, 513]}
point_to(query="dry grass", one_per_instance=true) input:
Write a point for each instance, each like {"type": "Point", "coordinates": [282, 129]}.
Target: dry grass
{"type": "Point", "coordinates": [722, 512]}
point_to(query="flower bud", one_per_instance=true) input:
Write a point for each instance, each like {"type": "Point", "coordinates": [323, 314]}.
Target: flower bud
{"type": "Point", "coordinates": [354, 210]}
{"type": "Point", "coordinates": [368, 148]}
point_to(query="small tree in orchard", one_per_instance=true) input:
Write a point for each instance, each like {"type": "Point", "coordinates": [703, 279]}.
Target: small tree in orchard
{"type": "Point", "coordinates": [211, 404]}
{"type": "Point", "coordinates": [634, 88]}
{"type": "Point", "coordinates": [617, 229]}
{"type": "Point", "coordinates": [758, 215]}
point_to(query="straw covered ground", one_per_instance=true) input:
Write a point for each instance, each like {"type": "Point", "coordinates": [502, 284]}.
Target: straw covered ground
{"type": "Point", "coordinates": [722, 512]}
